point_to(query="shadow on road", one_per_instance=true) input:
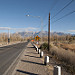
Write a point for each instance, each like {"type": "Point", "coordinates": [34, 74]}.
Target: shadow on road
{"type": "Point", "coordinates": [26, 72]}
{"type": "Point", "coordinates": [32, 62]}
{"type": "Point", "coordinates": [30, 47]}
{"type": "Point", "coordinates": [31, 52]}
{"type": "Point", "coordinates": [32, 56]}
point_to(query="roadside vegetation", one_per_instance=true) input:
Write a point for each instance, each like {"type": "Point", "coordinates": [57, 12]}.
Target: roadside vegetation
{"type": "Point", "coordinates": [13, 38]}
{"type": "Point", "coordinates": [62, 48]}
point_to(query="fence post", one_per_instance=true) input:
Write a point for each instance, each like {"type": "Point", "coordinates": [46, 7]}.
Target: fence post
{"type": "Point", "coordinates": [36, 49]}
{"type": "Point", "coordinates": [41, 54]}
{"type": "Point", "coordinates": [46, 60]}
{"type": "Point", "coordinates": [57, 70]}
{"type": "Point", "coordinates": [35, 46]}
{"type": "Point", "coordinates": [39, 51]}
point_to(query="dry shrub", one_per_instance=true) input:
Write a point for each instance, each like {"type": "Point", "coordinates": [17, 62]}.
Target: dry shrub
{"type": "Point", "coordinates": [64, 55]}
{"type": "Point", "coordinates": [13, 38]}
{"type": "Point", "coordinates": [44, 46]}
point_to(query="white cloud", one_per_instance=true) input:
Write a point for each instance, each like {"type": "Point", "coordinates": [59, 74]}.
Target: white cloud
{"type": "Point", "coordinates": [26, 29]}
{"type": "Point", "coordinates": [31, 29]}
{"type": "Point", "coordinates": [4, 28]}
{"type": "Point", "coordinates": [71, 30]}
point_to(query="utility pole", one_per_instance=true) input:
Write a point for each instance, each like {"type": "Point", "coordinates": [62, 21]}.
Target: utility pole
{"type": "Point", "coordinates": [49, 34]}
{"type": "Point", "coordinates": [8, 35]}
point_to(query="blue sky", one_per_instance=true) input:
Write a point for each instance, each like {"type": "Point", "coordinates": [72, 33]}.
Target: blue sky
{"type": "Point", "coordinates": [13, 14]}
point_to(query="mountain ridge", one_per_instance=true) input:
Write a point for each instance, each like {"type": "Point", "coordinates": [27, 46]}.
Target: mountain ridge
{"type": "Point", "coordinates": [39, 33]}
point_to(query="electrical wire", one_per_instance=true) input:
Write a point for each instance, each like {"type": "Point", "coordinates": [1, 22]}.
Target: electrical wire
{"type": "Point", "coordinates": [60, 12]}
{"type": "Point", "coordinates": [62, 17]}
{"type": "Point", "coordinates": [62, 9]}
{"type": "Point", "coordinates": [53, 5]}
{"type": "Point", "coordinates": [65, 16]}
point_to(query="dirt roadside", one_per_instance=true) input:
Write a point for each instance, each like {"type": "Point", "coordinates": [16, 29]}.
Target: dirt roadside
{"type": "Point", "coordinates": [31, 64]}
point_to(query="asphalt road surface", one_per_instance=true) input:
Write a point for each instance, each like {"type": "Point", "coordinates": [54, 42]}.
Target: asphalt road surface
{"type": "Point", "coordinates": [8, 54]}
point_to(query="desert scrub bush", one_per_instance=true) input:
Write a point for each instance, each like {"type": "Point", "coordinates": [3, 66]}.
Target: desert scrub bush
{"type": "Point", "coordinates": [44, 46]}
{"type": "Point", "coordinates": [65, 56]}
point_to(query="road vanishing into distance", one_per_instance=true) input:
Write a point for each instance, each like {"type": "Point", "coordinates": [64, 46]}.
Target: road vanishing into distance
{"type": "Point", "coordinates": [8, 54]}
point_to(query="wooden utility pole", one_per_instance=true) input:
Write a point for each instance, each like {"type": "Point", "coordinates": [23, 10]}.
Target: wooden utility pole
{"type": "Point", "coordinates": [49, 34]}
{"type": "Point", "coordinates": [8, 35]}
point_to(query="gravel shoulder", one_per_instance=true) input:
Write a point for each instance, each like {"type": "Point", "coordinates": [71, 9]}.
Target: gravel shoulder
{"type": "Point", "coordinates": [30, 63]}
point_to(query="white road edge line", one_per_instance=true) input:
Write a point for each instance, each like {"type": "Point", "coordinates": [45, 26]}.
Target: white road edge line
{"type": "Point", "coordinates": [13, 63]}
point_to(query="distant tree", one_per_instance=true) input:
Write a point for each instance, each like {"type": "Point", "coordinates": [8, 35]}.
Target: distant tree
{"type": "Point", "coordinates": [70, 39]}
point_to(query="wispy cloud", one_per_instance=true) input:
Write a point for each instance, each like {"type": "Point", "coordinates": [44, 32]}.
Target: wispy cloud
{"type": "Point", "coordinates": [26, 29]}
{"type": "Point", "coordinates": [4, 28]}
{"type": "Point", "coordinates": [71, 30]}
{"type": "Point", "coordinates": [31, 28]}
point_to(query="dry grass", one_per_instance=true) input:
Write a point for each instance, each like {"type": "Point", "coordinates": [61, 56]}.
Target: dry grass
{"type": "Point", "coordinates": [66, 56]}
{"type": "Point", "coordinates": [63, 54]}
{"type": "Point", "coordinates": [68, 46]}
{"type": "Point", "coordinates": [64, 51]}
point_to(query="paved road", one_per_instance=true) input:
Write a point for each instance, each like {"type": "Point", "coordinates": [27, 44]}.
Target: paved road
{"type": "Point", "coordinates": [8, 54]}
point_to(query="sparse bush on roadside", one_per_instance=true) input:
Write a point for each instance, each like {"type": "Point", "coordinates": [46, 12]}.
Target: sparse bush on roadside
{"type": "Point", "coordinates": [44, 46]}
{"type": "Point", "coordinates": [65, 56]}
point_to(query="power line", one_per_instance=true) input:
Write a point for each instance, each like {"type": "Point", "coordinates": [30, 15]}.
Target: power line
{"type": "Point", "coordinates": [62, 17]}
{"type": "Point", "coordinates": [65, 16]}
{"type": "Point", "coordinates": [53, 5]}
{"type": "Point", "coordinates": [62, 9]}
